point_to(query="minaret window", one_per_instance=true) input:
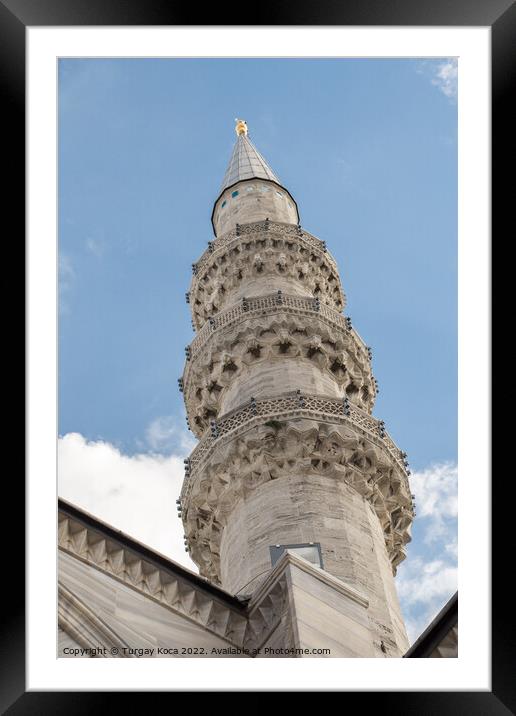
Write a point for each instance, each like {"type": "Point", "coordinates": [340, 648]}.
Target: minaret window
{"type": "Point", "coordinates": [311, 551]}
{"type": "Point", "coordinates": [223, 204]}
{"type": "Point", "coordinates": [234, 193]}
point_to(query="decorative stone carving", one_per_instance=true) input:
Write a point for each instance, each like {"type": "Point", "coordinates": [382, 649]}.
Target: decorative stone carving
{"type": "Point", "coordinates": [267, 254]}
{"type": "Point", "coordinates": [275, 228]}
{"type": "Point", "coordinates": [239, 465]}
{"type": "Point", "coordinates": [268, 305]}
{"type": "Point", "coordinates": [276, 337]}
{"type": "Point", "coordinates": [156, 583]}
{"type": "Point", "coordinates": [291, 406]}
{"type": "Point", "coordinates": [257, 263]}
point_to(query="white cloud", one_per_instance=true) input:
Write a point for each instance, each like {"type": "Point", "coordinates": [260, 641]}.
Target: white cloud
{"type": "Point", "coordinates": [66, 278]}
{"type": "Point", "coordinates": [95, 247]}
{"type": "Point", "coordinates": [446, 77]}
{"type": "Point", "coordinates": [135, 494]}
{"type": "Point", "coordinates": [436, 490]}
{"type": "Point", "coordinates": [424, 587]}
{"type": "Point", "coordinates": [166, 434]}
{"type": "Point", "coordinates": [452, 548]}
{"type": "Point", "coordinates": [436, 498]}
{"type": "Point", "coordinates": [424, 582]}
{"type": "Point", "coordinates": [66, 272]}
{"type": "Point", "coordinates": [428, 578]}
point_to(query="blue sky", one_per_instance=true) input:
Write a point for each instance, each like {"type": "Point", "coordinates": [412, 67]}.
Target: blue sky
{"type": "Point", "coordinates": [369, 150]}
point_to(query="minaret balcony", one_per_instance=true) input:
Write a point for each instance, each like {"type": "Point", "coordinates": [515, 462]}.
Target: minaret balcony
{"type": "Point", "coordinates": [270, 304]}
{"type": "Point", "coordinates": [259, 257]}
{"type": "Point", "coordinates": [274, 343]}
{"type": "Point", "coordinates": [297, 437]}
{"type": "Point", "coordinates": [287, 407]}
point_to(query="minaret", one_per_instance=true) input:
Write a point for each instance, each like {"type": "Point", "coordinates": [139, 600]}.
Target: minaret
{"type": "Point", "coordinates": [279, 390]}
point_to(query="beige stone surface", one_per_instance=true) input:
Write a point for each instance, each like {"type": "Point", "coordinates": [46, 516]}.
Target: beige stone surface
{"type": "Point", "coordinates": [133, 620]}
{"type": "Point", "coordinates": [321, 617]}
{"type": "Point", "coordinates": [297, 611]}
{"type": "Point", "coordinates": [256, 200]}
{"type": "Point", "coordinates": [449, 646]}
{"type": "Point", "coordinates": [65, 643]}
{"type": "Point", "coordinates": [322, 510]}
{"type": "Point", "coordinates": [230, 467]}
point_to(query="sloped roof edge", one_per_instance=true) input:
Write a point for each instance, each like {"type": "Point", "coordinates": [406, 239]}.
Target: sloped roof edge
{"type": "Point", "coordinates": [435, 631]}
{"type": "Point", "coordinates": [150, 555]}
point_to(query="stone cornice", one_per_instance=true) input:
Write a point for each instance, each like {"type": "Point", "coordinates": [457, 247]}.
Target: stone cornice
{"type": "Point", "coordinates": [106, 550]}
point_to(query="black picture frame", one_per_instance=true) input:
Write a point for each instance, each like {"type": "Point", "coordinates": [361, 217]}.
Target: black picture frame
{"type": "Point", "coordinates": [15, 17]}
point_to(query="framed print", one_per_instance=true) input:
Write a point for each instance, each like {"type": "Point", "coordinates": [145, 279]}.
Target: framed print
{"type": "Point", "coordinates": [258, 270]}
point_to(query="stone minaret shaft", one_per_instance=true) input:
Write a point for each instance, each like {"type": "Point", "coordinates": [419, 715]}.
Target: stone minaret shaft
{"type": "Point", "coordinates": [279, 390]}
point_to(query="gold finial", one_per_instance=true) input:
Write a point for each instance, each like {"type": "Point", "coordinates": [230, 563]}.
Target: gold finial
{"type": "Point", "coordinates": [241, 126]}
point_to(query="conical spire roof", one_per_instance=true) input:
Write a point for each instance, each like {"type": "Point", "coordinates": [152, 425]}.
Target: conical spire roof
{"type": "Point", "coordinates": [246, 163]}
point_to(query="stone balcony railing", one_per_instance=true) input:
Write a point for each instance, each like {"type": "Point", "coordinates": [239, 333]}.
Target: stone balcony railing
{"type": "Point", "coordinates": [265, 305]}
{"type": "Point", "coordinates": [257, 227]}
{"type": "Point", "coordinates": [272, 250]}
{"type": "Point", "coordinates": [289, 406]}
